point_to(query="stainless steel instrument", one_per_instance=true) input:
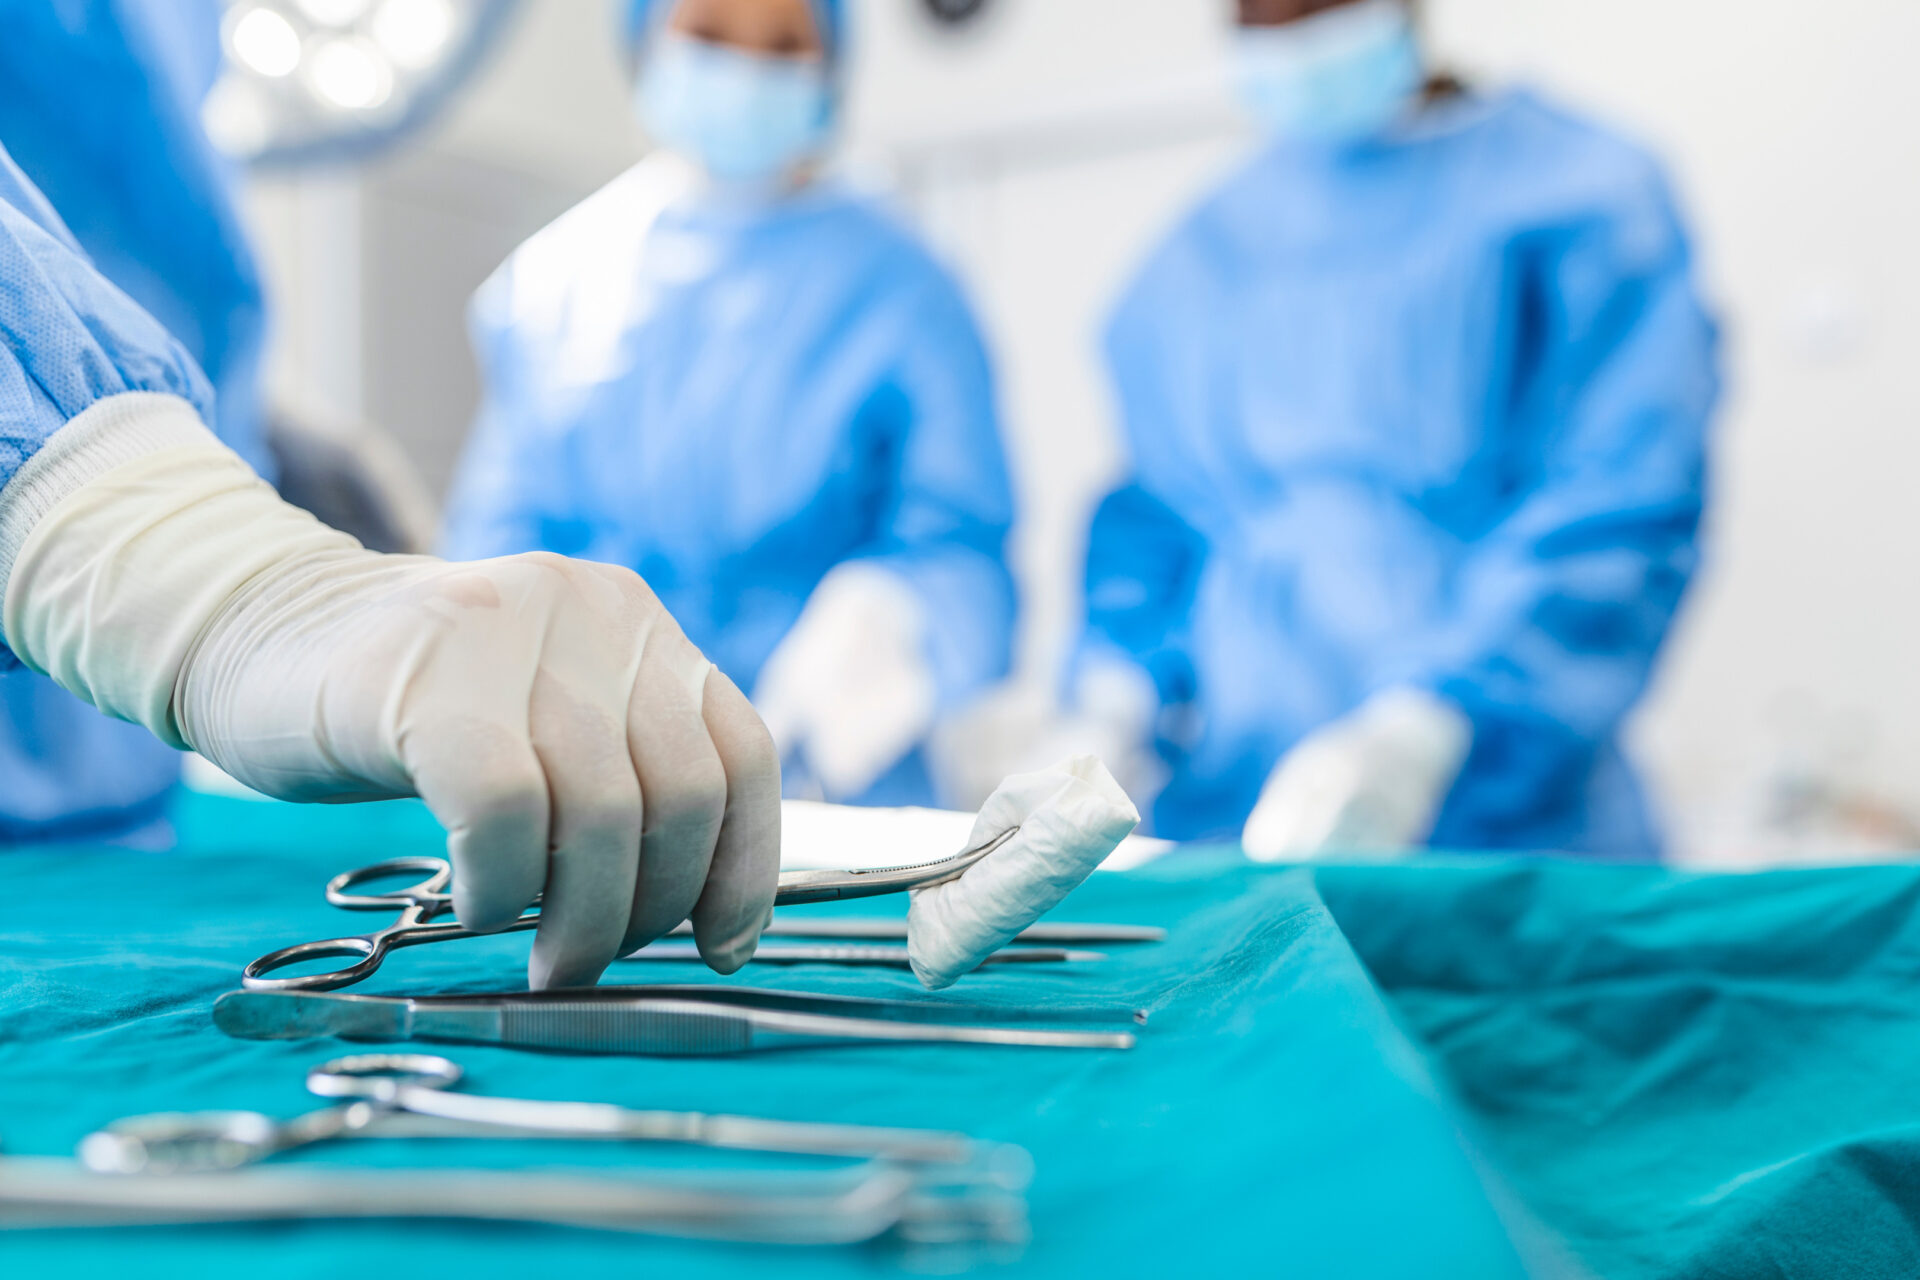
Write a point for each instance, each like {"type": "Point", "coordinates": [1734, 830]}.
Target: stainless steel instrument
{"type": "Point", "coordinates": [836, 1207]}
{"type": "Point", "coordinates": [414, 1095]}
{"type": "Point", "coordinates": [595, 1020]}
{"type": "Point", "coordinates": [882, 929]}
{"type": "Point", "coordinates": [419, 904]}
{"type": "Point", "coordinates": [867, 954]}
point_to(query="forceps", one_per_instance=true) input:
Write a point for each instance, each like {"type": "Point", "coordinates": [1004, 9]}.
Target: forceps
{"type": "Point", "coordinates": [418, 905]}
{"type": "Point", "coordinates": [697, 1021]}
{"type": "Point", "coordinates": [410, 1095]}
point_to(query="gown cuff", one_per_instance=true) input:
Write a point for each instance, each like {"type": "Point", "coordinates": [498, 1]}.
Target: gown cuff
{"type": "Point", "coordinates": [101, 437]}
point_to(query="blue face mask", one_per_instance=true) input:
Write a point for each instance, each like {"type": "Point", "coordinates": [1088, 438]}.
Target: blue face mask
{"type": "Point", "coordinates": [744, 117]}
{"type": "Point", "coordinates": [1340, 76]}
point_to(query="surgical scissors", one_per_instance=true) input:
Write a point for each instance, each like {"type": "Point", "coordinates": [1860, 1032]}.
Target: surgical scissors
{"type": "Point", "coordinates": [412, 1095]}
{"type": "Point", "coordinates": [419, 904]}
{"type": "Point", "coordinates": [879, 1200]}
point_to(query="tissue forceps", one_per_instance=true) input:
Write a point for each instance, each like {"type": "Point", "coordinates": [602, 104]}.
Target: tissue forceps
{"type": "Point", "coordinates": [649, 1022]}
{"type": "Point", "coordinates": [413, 1095]}
{"type": "Point", "coordinates": [419, 904]}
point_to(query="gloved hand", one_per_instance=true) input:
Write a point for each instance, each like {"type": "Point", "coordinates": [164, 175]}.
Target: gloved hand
{"type": "Point", "coordinates": [1372, 781]}
{"type": "Point", "coordinates": [849, 690]}
{"type": "Point", "coordinates": [1115, 706]}
{"type": "Point", "coordinates": [549, 712]}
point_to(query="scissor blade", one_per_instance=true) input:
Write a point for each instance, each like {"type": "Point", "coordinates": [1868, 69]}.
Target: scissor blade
{"type": "Point", "coordinates": [304, 1015]}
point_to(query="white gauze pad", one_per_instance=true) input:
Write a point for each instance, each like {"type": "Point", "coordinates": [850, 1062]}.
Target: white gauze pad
{"type": "Point", "coordinates": [1070, 818]}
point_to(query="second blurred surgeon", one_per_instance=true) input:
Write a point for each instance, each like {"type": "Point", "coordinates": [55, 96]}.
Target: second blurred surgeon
{"type": "Point", "coordinates": [1416, 403]}
{"type": "Point", "coordinates": [762, 395]}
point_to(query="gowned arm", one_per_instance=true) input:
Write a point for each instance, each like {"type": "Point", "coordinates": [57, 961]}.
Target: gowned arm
{"type": "Point", "coordinates": [945, 528]}
{"type": "Point", "coordinates": [1563, 606]}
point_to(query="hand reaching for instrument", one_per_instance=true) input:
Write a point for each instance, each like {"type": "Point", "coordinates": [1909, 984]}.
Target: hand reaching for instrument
{"type": "Point", "coordinates": [849, 691]}
{"type": "Point", "coordinates": [550, 712]}
{"type": "Point", "coordinates": [1371, 782]}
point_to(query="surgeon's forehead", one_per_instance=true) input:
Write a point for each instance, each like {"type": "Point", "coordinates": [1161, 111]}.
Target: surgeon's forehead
{"type": "Point", "coordinates": [1271, 13]}
{"type": "Point", "coordinates": [773, 25]}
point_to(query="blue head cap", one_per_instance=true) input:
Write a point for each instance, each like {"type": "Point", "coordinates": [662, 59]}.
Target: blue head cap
{"type": "Point", "coordinates": [642, 16]}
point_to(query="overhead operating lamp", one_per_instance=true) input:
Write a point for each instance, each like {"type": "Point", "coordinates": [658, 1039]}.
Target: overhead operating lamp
{"type": "Point", "coordinates": [307, 81]}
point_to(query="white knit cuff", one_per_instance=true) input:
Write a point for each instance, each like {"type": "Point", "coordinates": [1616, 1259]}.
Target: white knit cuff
{"type": "Point", "coordinates": [101, 437]}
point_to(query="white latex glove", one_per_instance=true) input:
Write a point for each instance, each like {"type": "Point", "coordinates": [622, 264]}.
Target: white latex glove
{"type": "Point", "coordinates": [1372, 781]}
{"type": "Point", "coordinates": [849, 689]}
{"type": "Point", "coordinates": [1070, 818]}
{"type": "Point", "coordinates": [549, 712]}
{"type": "Point", "coordinates": [1115, 705]}
{"type": "Point", "coordinates": [1021, 726]}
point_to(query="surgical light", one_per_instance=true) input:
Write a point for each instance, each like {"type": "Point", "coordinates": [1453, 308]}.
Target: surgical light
{"type": "Point", "coordinates": [333, 13]}
{"type": "Point", "coordinates": [316, 81]}
{"type": "Point", "coordinates": [350, 75]}
{"type": "Point", "coordinates": [236, 117]}
{"type": "Point", "coordinates": [263, 41]}
{"type": "Point", "coordinates": [413, 32]}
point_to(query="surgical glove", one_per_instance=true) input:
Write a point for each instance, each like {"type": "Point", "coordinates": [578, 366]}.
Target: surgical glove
{"type": "Point", "coordinates": [1115, 706]}
{"type": "Point", "coordinates": [1372, 781]}
{"type": "Point", "coordinates": [550, 712]}
{"type": "Point", "coordinates": [849, 691]}
{"type": "Point", "coordinates": [1070, 818]}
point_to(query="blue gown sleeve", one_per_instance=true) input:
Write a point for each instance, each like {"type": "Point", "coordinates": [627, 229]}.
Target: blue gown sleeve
{"type": "Point", "coordinates": [944, 529]}
{"type": "Point", "coordinates": [1564, 603]}
{"type": "Point", "coordinates": [1143, 567]}
{"type": "Point", "coordinates": [67, 337]}
{"type": "Point", "coordinates": [101, 105]}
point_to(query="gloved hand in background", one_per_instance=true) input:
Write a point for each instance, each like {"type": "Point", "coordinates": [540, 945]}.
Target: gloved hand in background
{"type": "Point", "coordinates": [1372, 781]}
{"type": "Point", "coordinates": [849, 691]}
{"type": "Point", "coordinates": [550, 712]}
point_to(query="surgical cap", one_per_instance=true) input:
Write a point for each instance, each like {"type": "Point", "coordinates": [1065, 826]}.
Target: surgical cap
{"type": "Point", "coordinates": [828, 15]}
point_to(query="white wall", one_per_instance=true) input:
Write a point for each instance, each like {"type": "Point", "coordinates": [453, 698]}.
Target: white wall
{"type": "Point", "coordinates": [1045, 149]}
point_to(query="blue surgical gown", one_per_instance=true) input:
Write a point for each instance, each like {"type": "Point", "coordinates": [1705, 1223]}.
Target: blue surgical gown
{"type": "Point", "coordinates": [733, 399]}
{"type": "Point", "coordinates": [100, 106]}
{"type": "Point", "coordinates": [68, 337]}
{"type": "Point", "coordinates": [1428, 411]}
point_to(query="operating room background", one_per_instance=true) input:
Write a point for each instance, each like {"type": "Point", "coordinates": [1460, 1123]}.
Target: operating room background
{"type": "Point", "coordinates": [1044, 147]}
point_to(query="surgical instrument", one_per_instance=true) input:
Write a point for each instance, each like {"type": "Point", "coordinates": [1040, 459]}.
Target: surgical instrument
{"type": "Point", "coordinates": [883, 929]}
{"type": "Point", "coordinates": [886, 957]}
{"type": "Point", "coordinates": [419, 904]}
{"type": "Point", "coordinates": [392, 1094]}
{"type": "Point", "coordinates": [646, 1025]}
{"type": "Point", "coordinates": [929, 1009]}
{"type": "Point", "coordinates": [833, 1207]}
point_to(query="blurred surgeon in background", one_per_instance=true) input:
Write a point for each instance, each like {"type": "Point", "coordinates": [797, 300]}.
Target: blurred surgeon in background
{"type": "Point", "coordinates": [762, 394]}
{"type": "Point", "coordinates": [1416, 404]}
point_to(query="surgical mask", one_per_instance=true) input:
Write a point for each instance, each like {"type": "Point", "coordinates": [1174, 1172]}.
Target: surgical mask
{"type": "Point", "coordinates": [745, 117]}
{"type": "Point", "coordinates": [1340, 76]}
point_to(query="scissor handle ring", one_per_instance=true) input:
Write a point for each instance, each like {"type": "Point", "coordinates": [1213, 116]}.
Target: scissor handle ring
{"type": "Point", "coordinates": [378, 1077]}
{"type": "Point", "coordinates": [430, 892]}
{"type": "Point", "coordinates": [179, 1142]}
{"type": "Point", "coordinates": [370, 950]}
